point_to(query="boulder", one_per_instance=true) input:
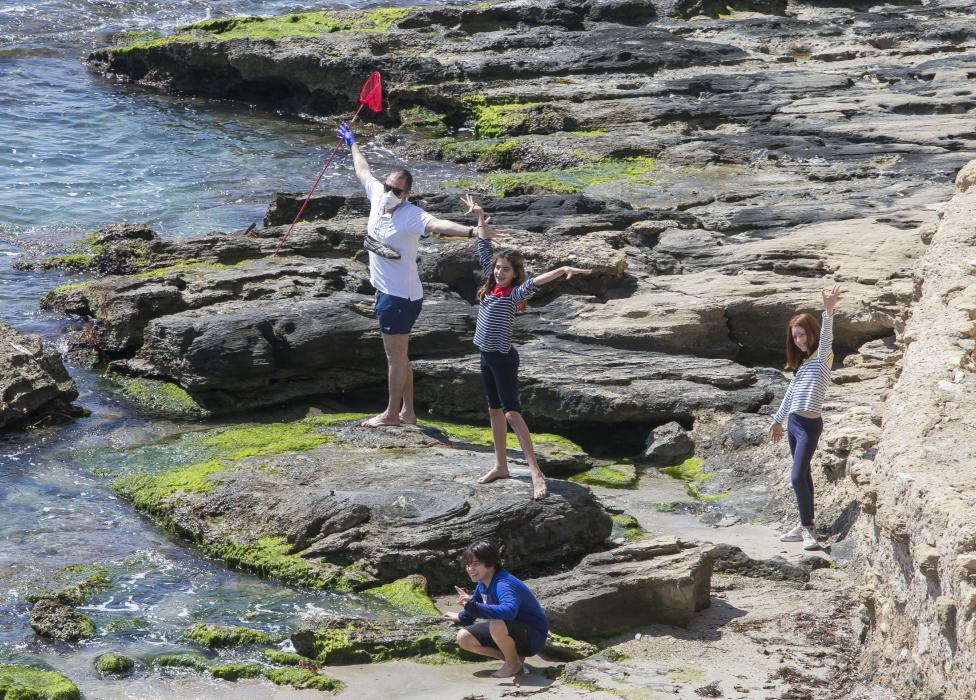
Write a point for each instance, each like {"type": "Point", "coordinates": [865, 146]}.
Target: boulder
{"type": "Point", "coordinates": [33, 379]}
{"type": "Point", "coordinates": [564, 382]}
{"type": "Point", "coordinates": [241, 354]}
{"type": "Point", "coordinates": [668, 444]}
{"type": "Point", "coordinates": [55, 620]}
{"type": "Point", "coordinates": [643, 583]}
{"type": "Point", "coordinates": [367, 506]}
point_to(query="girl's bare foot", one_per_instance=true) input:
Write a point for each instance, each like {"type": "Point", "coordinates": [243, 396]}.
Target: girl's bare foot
{"type": "Point", "coordinates": [408, 418]}
{"type": "Point", "coordinates": [380, 420]}
{"type": "Point", "coordinates": [507, 671]}
{"type": "Point", "coordinates": [495, 474]}
{"type": "Point", "coordinates": [539, 489]}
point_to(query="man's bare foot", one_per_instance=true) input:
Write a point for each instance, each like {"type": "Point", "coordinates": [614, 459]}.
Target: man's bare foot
{"type": "Point", "coordinates": [495, 474]}
{"type": "Point", "coordinates": [408, 418]}
{"type": "Point", "coordinates": [380, 420]}
{"type": "Point", "coordinates": [507, 671]}
{"type": "Point", "coordinates": [539, 489]}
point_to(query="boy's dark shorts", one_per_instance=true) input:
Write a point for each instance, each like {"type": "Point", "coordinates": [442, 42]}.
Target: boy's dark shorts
{"type": "Point", "coordinates": [396, 314]}
{"type": "Point", "coordinates": [516, 630]}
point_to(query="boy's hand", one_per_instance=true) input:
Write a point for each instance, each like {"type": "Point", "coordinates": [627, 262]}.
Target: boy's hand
{"type": "Point", "coordinates": [462, 596]}
{"type": "Point", "coordinates": [452, 617]}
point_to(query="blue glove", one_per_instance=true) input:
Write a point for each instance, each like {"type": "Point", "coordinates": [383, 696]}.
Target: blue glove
{"type": "Point", "coordinates": [345, 134]}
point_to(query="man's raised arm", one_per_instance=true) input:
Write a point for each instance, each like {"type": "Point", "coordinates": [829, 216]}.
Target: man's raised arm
{"type": "Point", "coordinates": [358, 159]}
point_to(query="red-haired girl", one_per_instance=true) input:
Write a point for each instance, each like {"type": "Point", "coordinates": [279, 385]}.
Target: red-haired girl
{"type": "Point", "coordinates": [810, 355]}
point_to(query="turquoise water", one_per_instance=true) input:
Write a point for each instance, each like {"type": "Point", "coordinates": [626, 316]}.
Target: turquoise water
{"type": "Point", "coordinates": [78, 152]}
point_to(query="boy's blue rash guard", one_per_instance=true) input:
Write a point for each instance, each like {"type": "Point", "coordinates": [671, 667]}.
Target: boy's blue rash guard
{"type": "Point", "coordinates": [508, 599]}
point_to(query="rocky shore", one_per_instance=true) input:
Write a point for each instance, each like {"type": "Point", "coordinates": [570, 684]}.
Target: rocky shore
{"type": "Point", "coordinates": [716, 164]}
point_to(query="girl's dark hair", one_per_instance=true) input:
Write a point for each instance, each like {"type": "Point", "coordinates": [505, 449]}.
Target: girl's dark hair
{"type": "Point", "coordinates": [483, 551]}
{"type": "Point", "coordinates": [515, 259]}
{"type": "Point", "coordinates": [795, 356]}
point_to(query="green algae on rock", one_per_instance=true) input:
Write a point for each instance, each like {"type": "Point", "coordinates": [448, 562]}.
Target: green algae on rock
{"type": "Point", "coordinates": [692, 473]}
{"type": "Point", "coordinates": [159, 397]}
{"type": "Point", "coordinates": [571, 180]}
{"type": "Point", "coordinates": [407, 594]}
{"type": "Point", "coordinates": [24, 683]}
{"type": "Point", "coordinates": [273, 557]}
{"type": "Point", "coordinates": [285, 658]}
{"type": "Point", "coordinates": [192, 660]}
{"type": "Point", "coordinates": [616, 476]}
{"type": "Point", "coordinates": [567, 648]}
{"type": "Point", "coordinates": [54, 620]}
{"type": "Point", "coordinates": [78, 582]}
{"type": "Point", "coordinates": [302, 24]}
{"type": "Point", "coordinates": [233, 671]}
{"type": "Point", "coordinates": [113, 663]}
{"type": "Point", "coordinates": [339, 641]}
{"type": "Point", "coordinates": [302, 678]}
{"type": "Point", "coordinates": [626, 526]}
{"type": "Point", "coordinates": [555, 453]}
{"type": "Point", "coordinates": [220, 636]}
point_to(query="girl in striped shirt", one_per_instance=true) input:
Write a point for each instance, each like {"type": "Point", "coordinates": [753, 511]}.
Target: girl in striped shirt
{"type": "Point", "coordinates": [504, 291]}
{"type": "Point", "coordinates": [803, 404]}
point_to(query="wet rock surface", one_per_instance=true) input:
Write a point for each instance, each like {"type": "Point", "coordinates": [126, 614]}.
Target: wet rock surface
{"type": "Point", "coordinates": [33, 378]}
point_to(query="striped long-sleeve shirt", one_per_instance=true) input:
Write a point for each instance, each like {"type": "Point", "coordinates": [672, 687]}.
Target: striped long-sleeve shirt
{"type": "Point", "coordinates": [496, 312]}
{"type": "Point", "coordinates": [808, 387]}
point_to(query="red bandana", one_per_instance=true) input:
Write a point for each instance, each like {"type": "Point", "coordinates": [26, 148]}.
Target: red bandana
{"type": "Point", "coordinates": [500, 291]}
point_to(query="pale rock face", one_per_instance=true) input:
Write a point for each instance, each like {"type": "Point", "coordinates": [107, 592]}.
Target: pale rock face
{"type": "Point", "coordinates": [923, 557]}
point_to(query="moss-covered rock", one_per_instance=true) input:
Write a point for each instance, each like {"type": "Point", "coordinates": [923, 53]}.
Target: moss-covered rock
{"type": "Point", "coordinates": [191, 660]}
{"type": "Point", "coordinates": [23, 683]}
{"type": "Point", "coordinates": [567, 648]}
{"type": "Point", "coordinates": [127, 625]}
{"type": "Point", "coordinates": [337, 641]}
{"type": "Point", "coordinates": [557, 455]}
{"type": "Point", "coordinates": [162, 398]}
{"type": "Point", "coordinates": [285, 658]}
{"type": "Point", "coordinates": [692, 472]}
{"type": "Point", "coordinates": [408, 594]}
{"type": "Point", "coordinates": [220, 636]}
{"type": "Point", "coordinates": [77, 585]}
{"type": "Point", "coordinates": [616, 476]}
{"type": "Point", "coordinates": [626, 526]}
{"type": "Point", "coordinates": [235, 671]}
{"type": "Point", "coordinates": [571, 180]}
{"type": "Point", "coordinates": [304, 679]}
{"type": "Point", "coordinates": [112, 663]}
{"type": "Point", "coordinates": [54, 620]}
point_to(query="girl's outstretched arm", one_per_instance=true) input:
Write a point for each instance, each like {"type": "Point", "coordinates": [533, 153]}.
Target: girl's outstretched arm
{"type": "Point", "coordinates": [566, 270]}
{"type": "Point", "coordinates": [825, 348]}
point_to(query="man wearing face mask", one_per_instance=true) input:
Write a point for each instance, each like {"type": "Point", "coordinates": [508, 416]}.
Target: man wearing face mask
{"type": "Point", "coordinates": [398, 225]}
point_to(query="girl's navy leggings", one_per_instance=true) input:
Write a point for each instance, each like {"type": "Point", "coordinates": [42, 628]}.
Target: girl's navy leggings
{"type": "Point", "coordinates": [803, 434]}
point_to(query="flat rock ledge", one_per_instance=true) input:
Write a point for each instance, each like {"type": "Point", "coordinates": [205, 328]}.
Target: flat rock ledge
{"type": "Point", "coordinates": [367, 507]}
{"type": "Point", "coordinates": [662, 580]}
{"type": "Point", "coordinates": [33, 379]}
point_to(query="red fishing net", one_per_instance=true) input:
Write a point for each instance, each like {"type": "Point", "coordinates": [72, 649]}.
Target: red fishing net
{"type": "Point", "coordinates": [372, 93]}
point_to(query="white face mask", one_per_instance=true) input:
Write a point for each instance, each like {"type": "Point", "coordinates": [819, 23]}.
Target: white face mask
{"type": "Point", "coordinates": [391, 201]}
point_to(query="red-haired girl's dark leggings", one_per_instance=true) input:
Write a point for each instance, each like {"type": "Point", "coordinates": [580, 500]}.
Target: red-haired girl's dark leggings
{"type": "Point", "coordinates": [803, 434]}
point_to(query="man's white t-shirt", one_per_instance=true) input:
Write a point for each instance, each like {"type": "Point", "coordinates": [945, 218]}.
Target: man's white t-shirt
{"type": "Point", "coordinates": [402, 231]}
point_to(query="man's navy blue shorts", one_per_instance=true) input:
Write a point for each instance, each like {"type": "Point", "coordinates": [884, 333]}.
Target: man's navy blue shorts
{"type": "Point", "coordinates": [396, 314]}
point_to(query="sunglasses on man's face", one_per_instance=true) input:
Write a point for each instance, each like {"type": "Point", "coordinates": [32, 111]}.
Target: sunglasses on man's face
{"type": "Point", "coordinates": [395, 190]}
